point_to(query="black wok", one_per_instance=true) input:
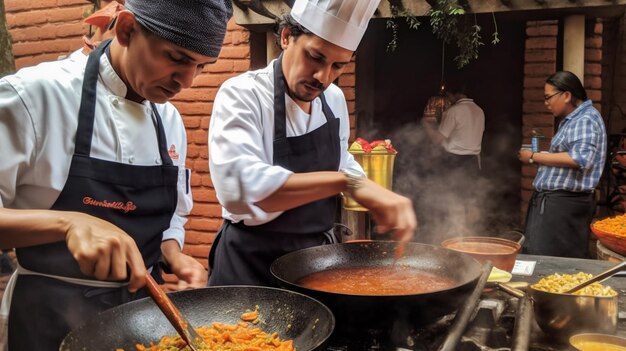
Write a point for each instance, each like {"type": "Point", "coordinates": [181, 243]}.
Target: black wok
{"type": "Point", "coordinates": [360, 312]}
{"type": "Point", "coordinates": [294, 316]}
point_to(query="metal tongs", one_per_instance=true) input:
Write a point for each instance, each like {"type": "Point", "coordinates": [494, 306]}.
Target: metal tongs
{"type": "Point", "coordinates": [173, 314]}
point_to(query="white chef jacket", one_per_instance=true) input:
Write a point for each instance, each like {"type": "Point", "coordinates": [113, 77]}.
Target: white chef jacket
{"type": "Point", "coordinates": [241, 137]}
{"type": "Point", "coordinates": [38, 121]}
{"type": "Point", "coordinates": [463, 125]}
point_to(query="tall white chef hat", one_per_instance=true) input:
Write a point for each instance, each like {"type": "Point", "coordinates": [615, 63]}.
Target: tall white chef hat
{"type": "Point", "coordinates": [341, 22]}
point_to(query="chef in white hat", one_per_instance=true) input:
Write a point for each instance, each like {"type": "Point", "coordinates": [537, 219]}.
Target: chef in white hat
{"type": "Point", "coordinates": [278, 144]}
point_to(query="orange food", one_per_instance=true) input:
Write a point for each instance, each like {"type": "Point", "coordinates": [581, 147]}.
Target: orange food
{"type": "Point", "coordinates": [226, 337]}
{"type": "Point", "coordinates": [614, 225]}
{"type": "Point", "coordinates": [374, 281]}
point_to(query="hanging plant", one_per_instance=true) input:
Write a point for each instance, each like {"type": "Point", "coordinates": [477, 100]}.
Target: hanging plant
{"type": "Point", "coordinates": [397, 12]}
{"type": "Point", "coordinates": [449, 23]}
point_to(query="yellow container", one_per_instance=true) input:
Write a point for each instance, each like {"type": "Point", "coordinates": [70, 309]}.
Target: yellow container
{"type": "Point", "coordinates": [378, 166]}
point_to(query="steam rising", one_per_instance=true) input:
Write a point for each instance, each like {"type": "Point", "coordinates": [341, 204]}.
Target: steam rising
{"type": "Point", "coordinates": [443, 212]}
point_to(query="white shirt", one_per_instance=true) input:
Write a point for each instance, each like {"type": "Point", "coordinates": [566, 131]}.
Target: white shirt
{"type": "Point", "coordinates": [38, 122]}
{"type": "Point", "coordinates": [241, 136]}
{"type": "Point", "coordinates": [463, 125]}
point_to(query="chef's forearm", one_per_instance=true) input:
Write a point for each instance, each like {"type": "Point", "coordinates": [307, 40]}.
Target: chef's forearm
{"type": "Point", "coordinates": [169, 249]}
{"type": "Point", "coordinates": [558, 159]}
{"type": "Point", "coordinates": [304, 188]}
{"type": "Point", "coordinates": [19, 228]}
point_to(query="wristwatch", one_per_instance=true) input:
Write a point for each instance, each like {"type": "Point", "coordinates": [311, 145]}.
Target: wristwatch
{"type": "Point", "coordinates": [354, 182]}
{"type": "Point", "coordinates": [530, 160]}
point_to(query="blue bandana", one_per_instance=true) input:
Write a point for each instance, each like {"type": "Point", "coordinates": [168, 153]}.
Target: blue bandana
{"type": "Point", "coordinates": [197, 25]}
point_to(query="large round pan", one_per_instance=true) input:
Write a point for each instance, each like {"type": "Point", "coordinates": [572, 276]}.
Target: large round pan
{"type": "Point", "coordinates": [294, 316]}
{"type": "Point", "coordinates": [354, 312]}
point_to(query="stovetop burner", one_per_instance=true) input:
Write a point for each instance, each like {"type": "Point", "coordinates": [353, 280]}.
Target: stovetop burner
{"type": "Point", "coordinates": [491, 328]}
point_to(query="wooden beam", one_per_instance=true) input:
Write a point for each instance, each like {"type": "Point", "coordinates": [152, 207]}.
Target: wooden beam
{"type": "Point", "coordinates": [421, 7]}
{"type": "Point", "coordinates": [246, 16]}
{"type": "Point", "coordinates": [574, 46]}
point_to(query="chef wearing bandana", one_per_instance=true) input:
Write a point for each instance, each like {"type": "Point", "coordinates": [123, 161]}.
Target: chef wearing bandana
{"type": "Point", "coordinates": [278, 144]}
{"type": "Point", "coordinates": [93, 186]}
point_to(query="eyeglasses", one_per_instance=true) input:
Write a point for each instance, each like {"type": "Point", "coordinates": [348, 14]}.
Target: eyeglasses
{"type": "Point", "coordinates": [546, 98]}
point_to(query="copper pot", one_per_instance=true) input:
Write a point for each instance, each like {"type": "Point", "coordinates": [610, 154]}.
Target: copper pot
{"type": "Point", "coordinates": [501, 252]}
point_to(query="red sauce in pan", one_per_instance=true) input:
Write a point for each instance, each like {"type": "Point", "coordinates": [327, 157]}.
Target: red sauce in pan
{"type": "Point", "coordinates": [389, 280]}
{"type": "Point", "coordinates": [482, 247]}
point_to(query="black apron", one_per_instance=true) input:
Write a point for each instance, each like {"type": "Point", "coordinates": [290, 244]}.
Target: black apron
{"type": "Point", "coordinates": [557, 223]}
{"type": "Point", "coordinates": [139, 199]}
{"type": "Point", "coordinates": [243, 254]}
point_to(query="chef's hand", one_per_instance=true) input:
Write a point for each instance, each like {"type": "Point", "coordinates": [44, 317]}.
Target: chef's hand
{"type": "Point", "coordinates": [391, 212]}
{"type": "Point", "coordinates": [103, 250]}
{"type": "Point", "coordinates": [524, 155]}
{"type": "Point", "coordinates": [191, 274]}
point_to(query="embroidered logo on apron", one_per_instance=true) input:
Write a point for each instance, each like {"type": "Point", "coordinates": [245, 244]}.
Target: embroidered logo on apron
{"type": "Point", "coordinates": [126, 207]}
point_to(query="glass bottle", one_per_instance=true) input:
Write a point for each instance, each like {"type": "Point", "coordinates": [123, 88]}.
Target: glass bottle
{"type": "Point", "coordinates": [534, 139]}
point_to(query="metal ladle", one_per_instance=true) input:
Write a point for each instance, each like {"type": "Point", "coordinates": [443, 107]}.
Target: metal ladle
{"type": "Point", "coordinates": [174, 316]}
{"type": "Point", "coordinates": [598, 278]}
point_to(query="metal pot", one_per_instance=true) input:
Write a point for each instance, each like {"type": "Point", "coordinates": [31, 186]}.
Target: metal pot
{"type": "Point", "coordinates": [563, 315]}
{"type": "Point", "coordinates": [605, 341]}
{"type": "Point", "coordinates": [354, 312]}
{"type": "Point", "coordinates": [294, 316]}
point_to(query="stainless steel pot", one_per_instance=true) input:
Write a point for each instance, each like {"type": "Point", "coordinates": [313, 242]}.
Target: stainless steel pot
{"type": "Point", "coordinates": [563, 315]}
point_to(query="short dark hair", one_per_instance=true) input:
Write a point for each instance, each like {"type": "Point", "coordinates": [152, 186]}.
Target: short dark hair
{"type": "Point", "coordinates": [568, 81]}
{"type": "Point", "coordinates": [456, 87]}
{"type": "Point", "coordinates": [295, 28]}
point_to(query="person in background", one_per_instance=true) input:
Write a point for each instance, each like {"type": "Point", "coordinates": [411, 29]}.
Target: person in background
{"type": "Point", "coordinates": [102, 27]}
{"type": "Point", "coordinates": [460, 135]}
{"type": "Point", "coordinates": [103, 23]}
{"type": "Point", "coordinates": [278, 148]}
{"type": "Point", "coordinates": [563, 203]}
{"type": "Point", "coordinates": [93, 187]}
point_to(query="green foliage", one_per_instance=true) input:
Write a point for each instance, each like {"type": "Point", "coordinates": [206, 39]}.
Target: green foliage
{"type": "Point", "coordinates": [392, 23]}
{"type": "Point", "coordinates": [444, 19]}
{"type": "Point", "coordinates": [450, 23]}
{"type": "Point", "coordinates": [7, 62]}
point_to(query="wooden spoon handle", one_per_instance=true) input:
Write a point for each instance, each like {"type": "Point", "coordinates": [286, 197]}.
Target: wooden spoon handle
{"type": "Point", "coordinates": [600, 277]}
{"type": "Point", "coordinates": [168, 308]}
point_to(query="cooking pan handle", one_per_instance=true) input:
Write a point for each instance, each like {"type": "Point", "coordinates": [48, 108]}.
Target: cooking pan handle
{"type": "Point", "coordinates": [339, 230]}
{"type": "Point", "coordinates": [523, 324]}
{"type": "Point", "coordinates": [465, 312]}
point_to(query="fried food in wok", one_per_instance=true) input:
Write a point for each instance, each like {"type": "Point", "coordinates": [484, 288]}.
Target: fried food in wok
{"type": "Point", "coordinates": [243, 336]}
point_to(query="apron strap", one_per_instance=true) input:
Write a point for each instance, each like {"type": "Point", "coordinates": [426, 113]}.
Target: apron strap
{"type": "Point", "coordinates": [280, 122]}
{"type": "Point", "coordinates": [156, 118]}
{"type": "Point", "coordinates": [87, 109]}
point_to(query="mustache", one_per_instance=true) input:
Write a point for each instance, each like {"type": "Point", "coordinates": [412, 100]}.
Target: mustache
{"type": "Point", "coordinates": [174, 88]}
{"type": "Point", "coordinates": [315, 84]}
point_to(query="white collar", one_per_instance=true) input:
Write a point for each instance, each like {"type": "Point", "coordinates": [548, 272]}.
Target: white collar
{"type": "Point", "coordinates": [109, 77]}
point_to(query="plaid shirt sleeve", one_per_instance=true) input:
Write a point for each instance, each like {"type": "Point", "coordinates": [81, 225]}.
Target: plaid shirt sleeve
{"type": "Point", "coordinates": [583, 140]}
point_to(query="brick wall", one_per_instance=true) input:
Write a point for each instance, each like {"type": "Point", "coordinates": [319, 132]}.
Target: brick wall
{"type": "Point", "coordinates": [43, 30]}
{"type": "Point", "coordinates": [195, 105]}
{"type": "Point", "coordinates": [541, 62]}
